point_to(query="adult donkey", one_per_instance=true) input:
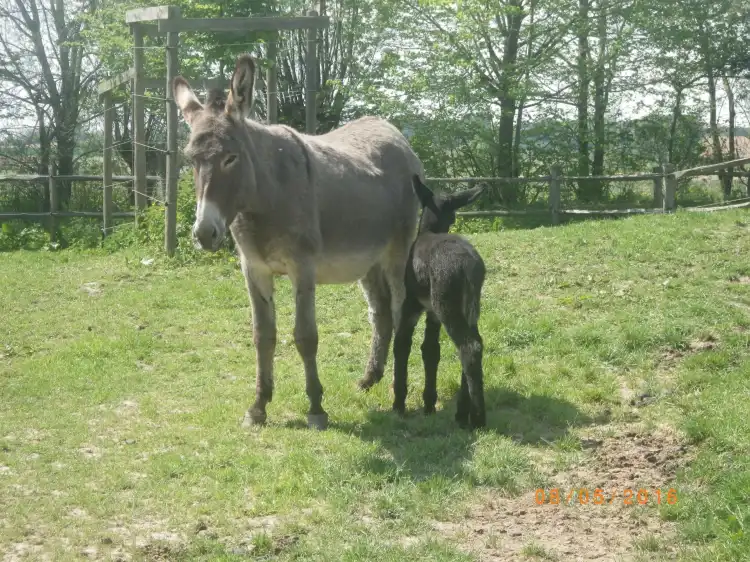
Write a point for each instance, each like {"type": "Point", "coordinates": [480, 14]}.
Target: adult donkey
{"type": "Point", "coordinates": [333, 208]}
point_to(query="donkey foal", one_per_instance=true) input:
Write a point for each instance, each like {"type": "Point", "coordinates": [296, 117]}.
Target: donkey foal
{"type": "Point", "coordinates": [444, 276]}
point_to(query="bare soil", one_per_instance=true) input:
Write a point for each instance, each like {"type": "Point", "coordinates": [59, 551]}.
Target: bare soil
{"type": "Point", "coordinates": [612, 528]}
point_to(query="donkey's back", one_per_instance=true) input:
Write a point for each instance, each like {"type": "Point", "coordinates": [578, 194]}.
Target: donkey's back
{"type": "Point", "coordinates": [364, 197]}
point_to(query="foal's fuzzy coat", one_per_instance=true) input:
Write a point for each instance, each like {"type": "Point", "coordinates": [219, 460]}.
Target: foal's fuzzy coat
{"type": "Point", "coordinates": [444, 276]}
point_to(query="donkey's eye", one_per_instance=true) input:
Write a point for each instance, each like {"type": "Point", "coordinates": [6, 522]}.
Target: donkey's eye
{"type": "Point", "coordinates": [229, 160]}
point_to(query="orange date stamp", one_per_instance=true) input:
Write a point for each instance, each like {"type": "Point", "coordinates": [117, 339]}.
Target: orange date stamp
{"type": "Point", "coordinates": [600, 496]}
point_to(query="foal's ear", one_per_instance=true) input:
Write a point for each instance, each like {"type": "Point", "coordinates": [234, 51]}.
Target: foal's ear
{"type": "Point", "coordinates": [465, 197]}
{"type": "Point", "coordinates": [426, 197]}
{"type": "Point", "coordinates": [240, 98]}
{"type": "Point", "coordinates": [185, 99]}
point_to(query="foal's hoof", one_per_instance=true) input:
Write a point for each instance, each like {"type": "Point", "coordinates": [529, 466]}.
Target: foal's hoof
{"type": "Point", "coordinates": [254, 417]}
{"type": "Point", "coordinates": [317, 421]}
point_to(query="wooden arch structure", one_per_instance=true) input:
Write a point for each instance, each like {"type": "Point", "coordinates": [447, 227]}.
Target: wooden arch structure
{"type": "Point", "coordinates": [167, 20]}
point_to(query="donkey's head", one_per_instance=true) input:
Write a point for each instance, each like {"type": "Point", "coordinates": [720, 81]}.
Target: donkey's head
{"type": "Point", "coordinates": [218, 148]}
{"type": "Point", "coordinates": [439, 211]}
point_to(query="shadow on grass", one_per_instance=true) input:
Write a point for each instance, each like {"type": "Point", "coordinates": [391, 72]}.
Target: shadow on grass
{"type": "Point", "coordinates": [426, 446]}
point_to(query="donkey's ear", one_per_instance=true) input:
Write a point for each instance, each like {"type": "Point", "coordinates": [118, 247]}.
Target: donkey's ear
{"type": "Point", "coordinates": [465, 197]}
{"type": "Point", "coordinates": [426, 197]}
{"type": "Point", "coordinates": [185, 99]}
{"type": "Point", "coordinates": [240, 98]}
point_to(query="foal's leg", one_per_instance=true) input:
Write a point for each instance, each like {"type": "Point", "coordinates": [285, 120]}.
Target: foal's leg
{"type": "Point", "coordinates": [411, 312]}
{"type": "Point", "coordinates": [470, 347]}
{"type": "Point", "coordinates": [465, 335]}
{"type": "Point", "coordinates": [302, 277]}
{"type": "Point", "coordinates": [260, 288]}
{"type": "Point", "coordinates": [378, 298]}
{"type": "Point", "coordinates": [430, 360]}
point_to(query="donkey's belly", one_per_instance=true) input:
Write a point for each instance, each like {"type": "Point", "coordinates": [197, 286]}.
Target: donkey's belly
{"type": "Point", "coordinates": [343, 268]}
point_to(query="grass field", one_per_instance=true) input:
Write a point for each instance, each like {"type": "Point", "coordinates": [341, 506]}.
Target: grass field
{"type": "Point", "coordinates": [616, 356]}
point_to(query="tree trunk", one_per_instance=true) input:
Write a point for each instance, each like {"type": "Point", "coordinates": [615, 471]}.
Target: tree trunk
{"type": "Point", "coordinates": [729, 176]}
{"type": "Point", "coordinates": [44, 156]}
{"type": "Point", "coordinates": [516, 172]}
{"type": "Point", "coordinates": [600, 105]}
{"type": "Point", "coordinates": [583, 96]}
{"type": "Point", "coordinates": [65, 157]}
{"type": "Point", "coordinates": [522, 102]}
{"type": "Point", "coordinates": [676, 114]}
{"type": "Point", "coordinates": [508, 192]}
{"type": "Point", "coordinates": [713, 124]}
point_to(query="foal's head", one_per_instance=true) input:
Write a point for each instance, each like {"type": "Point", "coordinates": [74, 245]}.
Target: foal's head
{"type": "Point", "coordinates": [439, 211]}
{"type": "Point", "coordinates": [218, 148]}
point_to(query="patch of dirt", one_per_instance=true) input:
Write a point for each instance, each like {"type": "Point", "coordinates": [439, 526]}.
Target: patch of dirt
{"type": "Point", "coordinates": [161, 551]}
{"type": "Point", "coordinates": [672, 355]}
{"type": "Point", "coordinates": [90, 451]}
{"type": "Point", "coordinates": [604, 528]}
{"type": "Point", "coordinates": [741, 279]}
{"type": "Point", "coordinates": [94, 288]}
{"type": "Point", "coordinates": [126, 408]}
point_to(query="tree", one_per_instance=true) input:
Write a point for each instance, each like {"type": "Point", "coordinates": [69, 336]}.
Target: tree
{"type": "Point", "coordinates": [46, 69]}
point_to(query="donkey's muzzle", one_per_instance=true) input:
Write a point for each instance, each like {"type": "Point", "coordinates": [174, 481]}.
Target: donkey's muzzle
{"type": "Point", "coordinates": [208, 236]}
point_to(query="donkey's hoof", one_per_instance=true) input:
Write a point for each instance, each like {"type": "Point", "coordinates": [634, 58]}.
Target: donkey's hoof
{"type": "Point", "coordinates": [370, 379]}
{"type": "Point", "coordinates": [364, 384]}
{"type": "Point", "coordinates": [462, 420]}
{"type": "Point", "coordinates": [399, 409]}
{"type": "Point", "coordinates": [254, 417]}
{"type": "Point", "coordinates": [317, 421]}
{"type": "Point", "coordinates": [477, 421]}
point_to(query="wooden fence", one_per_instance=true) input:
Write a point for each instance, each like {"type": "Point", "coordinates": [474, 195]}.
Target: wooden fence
{"type": "Point", "coordinates": [665, 179]}
{"type": "Point", "coordinates": [156, 21]}
{"type": "Point", "coordinates": [51, 216]}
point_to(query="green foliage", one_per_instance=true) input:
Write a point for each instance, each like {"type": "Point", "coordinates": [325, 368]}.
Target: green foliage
{"type": "Point", "coordinates": [18, 235]}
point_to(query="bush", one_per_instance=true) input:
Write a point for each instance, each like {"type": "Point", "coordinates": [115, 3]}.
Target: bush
{"type": "Point", "coordinates": [17, 235]}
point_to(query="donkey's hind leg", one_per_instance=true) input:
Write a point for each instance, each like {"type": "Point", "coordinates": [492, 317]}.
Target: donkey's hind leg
{"type": "Point", "coordinates": [430, 360]}
{"type": "Point", "coordinates": [378, 299]}
{"type": "Point", "coordinates": [470, 347]}
{"type": "Point", "coordinates": [394, 268]}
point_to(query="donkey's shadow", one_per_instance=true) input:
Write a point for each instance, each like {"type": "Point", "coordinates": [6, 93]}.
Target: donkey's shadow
{"type": "Point", "coordinates": [425, 446]}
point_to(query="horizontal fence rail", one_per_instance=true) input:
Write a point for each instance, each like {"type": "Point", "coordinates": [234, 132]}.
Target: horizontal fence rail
{"type": "Point", "coordinates": [51, 216]}
{"type": "Point", "coordinates": [664, 179]}
{"type": "Point", "coordinates": [36, 178]}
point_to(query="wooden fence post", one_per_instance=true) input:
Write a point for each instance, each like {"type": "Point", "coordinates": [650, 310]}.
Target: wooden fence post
{"type": "Point", "coordinates": [107, 167]}
{"type": "Point", "coordinates": [311, 78]}
{"type": "Point", "coordinates": [139, 123]}
{"type": "Point", "coordinates": [670, 188]}
{"type": "Point", "coordinates": [272, 100]}
{"type": "Point", "coordinates": [54, 204]}
{"type": "Point", "coordinates": [555, 195]}
{"type": "Point", "coordinates": [170, 227]}
{"type": "Point", "coordinates": [658, 188]}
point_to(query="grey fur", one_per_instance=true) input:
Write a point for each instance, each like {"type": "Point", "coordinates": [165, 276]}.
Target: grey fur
{"type": "Point", "coordinates": [334, 208]}
{"type": "Point", "coordinates": [444, 277]}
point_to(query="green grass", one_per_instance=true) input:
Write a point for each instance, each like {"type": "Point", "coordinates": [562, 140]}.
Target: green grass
{"type": "Point", "coordinates": [120, 411]}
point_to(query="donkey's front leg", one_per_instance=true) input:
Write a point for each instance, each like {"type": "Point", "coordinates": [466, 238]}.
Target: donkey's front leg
{"type": "Point", "coordinates": [306, 340]}
{"type": "Point", "coordinates": [260, 287]}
